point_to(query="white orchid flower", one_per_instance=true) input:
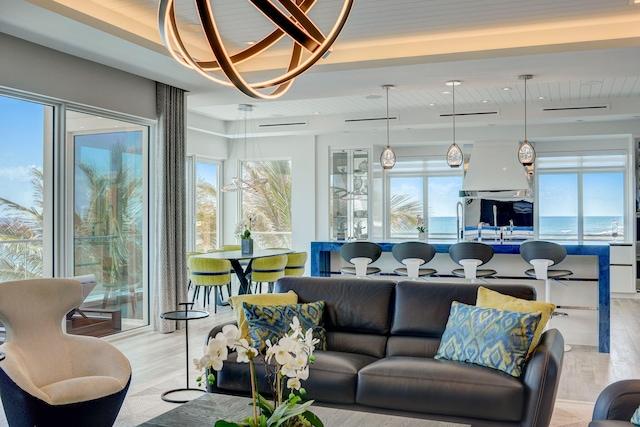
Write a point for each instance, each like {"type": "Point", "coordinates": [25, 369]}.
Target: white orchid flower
{"type": "Point", "coordinates": [288, 370]}
{"type": "Point", "coordinates": [299, 362]}
{"type": "Point", "coordinates": [303, 374]}
{"type": "Point", "coordinates": [245, 354]}
{"type": "Point", "coordinates": [288, 344]}
{"type": "Point", "coordinates": [232, 333]}
{"type": "Point", "coordinates": [294, 384]}
{"type": "Point", "coordinates": [295, 325]}
{"type": "Point", "coordinates": [282, 356]}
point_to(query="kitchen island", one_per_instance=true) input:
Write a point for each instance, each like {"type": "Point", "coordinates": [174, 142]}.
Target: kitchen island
{"type": "Point", "coordinates": [594, 255]}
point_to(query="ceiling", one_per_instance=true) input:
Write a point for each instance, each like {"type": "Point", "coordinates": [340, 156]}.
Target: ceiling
{"type": "Point", "coordinates": [582, 53]}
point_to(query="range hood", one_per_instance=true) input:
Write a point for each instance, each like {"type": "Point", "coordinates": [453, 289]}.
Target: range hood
{"type": "Point", "coordinates": [494, 168]}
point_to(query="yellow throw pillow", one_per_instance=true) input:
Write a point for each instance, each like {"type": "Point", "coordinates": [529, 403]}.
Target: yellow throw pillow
{"type": "Point", "coordinates": [492, 299]}
{"type": "Point", "coordinates": [258, 299]}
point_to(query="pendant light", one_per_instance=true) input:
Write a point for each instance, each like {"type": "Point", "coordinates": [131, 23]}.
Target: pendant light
{"type": "Point", "coordinates": [388, 156]}
{"type": "Point", "coordinates": [454, 153]}
{"type": "Point", "coordinates": [526, 152]}
{"type": "Point", "coordinates": [239, 184]}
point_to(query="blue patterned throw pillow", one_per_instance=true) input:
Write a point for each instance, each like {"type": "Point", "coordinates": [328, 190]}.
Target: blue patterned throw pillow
{"type": "Point", "coordinates": [635, 419]}
{"type": "Point", "coordinates": [273, 321]}
{"type": "Point", "coordinates": [498, 339]}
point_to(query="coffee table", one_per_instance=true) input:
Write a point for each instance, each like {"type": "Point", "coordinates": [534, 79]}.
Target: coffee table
{"type": "Point", "coordinates": [211, 407]}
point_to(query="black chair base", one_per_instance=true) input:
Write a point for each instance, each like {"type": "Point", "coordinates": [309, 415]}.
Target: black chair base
{"type": "Point", "coordinates": [178, 390]}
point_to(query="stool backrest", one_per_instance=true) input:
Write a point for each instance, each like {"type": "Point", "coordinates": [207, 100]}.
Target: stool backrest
{"type": "Point", "coordinates": [351, 250]}
{"type": "Point", "coordinates": [471, 250]}
{"type": "Point", "coordinates": [404, 250]}
{"type": "Point", "coordinates": [540, 249]}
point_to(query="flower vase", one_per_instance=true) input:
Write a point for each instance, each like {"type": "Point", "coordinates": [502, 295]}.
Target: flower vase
{"type": "Point", "coordinates": [247, 246]}
{"type": "Point", "coordinates": [422, 236]}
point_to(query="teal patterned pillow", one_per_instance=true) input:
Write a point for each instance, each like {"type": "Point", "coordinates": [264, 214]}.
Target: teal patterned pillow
{"type": "Point", "coordinates": [635, 419]}
{"type": "Point", "coordinates": [273, 321]}
{"type": "Point", "coordinates": [498, 339]}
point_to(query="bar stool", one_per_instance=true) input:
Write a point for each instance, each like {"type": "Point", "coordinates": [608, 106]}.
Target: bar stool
{"type": "Point", "coordinates": [295, 264]}
{"type": "Point", "coordinates": [267, 269]}
{"type": "Point", "coordinates": [413, 255]}
{"type": "Point", "coordinates": [471, 255]}
{"type": "Point", "coordinates": [360, 254]}
{"type": "Point", "coordinates": [542, 255]}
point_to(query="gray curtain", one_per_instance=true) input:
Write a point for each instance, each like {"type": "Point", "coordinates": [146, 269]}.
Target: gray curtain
{"type": "Point", "coordinates": [169, 279]}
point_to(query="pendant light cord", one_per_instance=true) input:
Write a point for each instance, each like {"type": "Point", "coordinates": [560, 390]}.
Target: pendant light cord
{"type": "Point", "coordinates": [453, 91]}
{"type": "Point", "coordinates": [388, 137]}
{"type": "Point", "coordinates": [525, 109]}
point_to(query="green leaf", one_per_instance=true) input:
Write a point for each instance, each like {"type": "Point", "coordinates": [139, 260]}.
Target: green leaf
{"type": "Point", "coordinates": [222, 423]}
{"type": "Point", "coordinates": [313, 419]}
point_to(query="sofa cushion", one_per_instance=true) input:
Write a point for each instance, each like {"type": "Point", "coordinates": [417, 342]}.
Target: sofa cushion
{"type": "Point", "coordinates": [441, 387]}
{"type": "Point", "coordinates": [257, 299]}
{"type": "Point", "coordinates": [498, 339]}
{"type": "Point", "coordinates": [352, 306]}
{"type": "Point", "coordinates": [272, 322]}
{"type": "Point", "coordinates": [422, 308]}
{"type": "Point", "coordinates": [493, 299]}
{"type": "Point", "coordinates": [332, 377]}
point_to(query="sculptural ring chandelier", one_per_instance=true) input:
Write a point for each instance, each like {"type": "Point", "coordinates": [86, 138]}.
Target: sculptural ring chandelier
{"type": "Point", "coordinates": [290, 19]}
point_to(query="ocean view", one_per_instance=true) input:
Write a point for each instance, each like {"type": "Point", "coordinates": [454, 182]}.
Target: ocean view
{"type": "Point", "coordinates": [548, 226]}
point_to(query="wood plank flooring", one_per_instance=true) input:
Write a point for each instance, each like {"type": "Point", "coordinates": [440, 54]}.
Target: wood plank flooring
{"type": "Point", "coordinates": [585, 372]}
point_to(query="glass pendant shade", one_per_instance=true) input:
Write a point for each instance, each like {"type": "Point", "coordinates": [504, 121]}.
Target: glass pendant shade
{"type": "Point", "coordinates": [454, 156]}
{"type": "Point", "coordinates": [526, 153]}
{"type": "Point", "coordinates": [387, 158]}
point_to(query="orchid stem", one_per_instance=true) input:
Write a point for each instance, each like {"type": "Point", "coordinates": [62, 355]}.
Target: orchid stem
{"type": "Point", "coordinates": [254, 391]}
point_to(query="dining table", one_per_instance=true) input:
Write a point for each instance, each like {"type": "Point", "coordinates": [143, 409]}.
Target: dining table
{"type": "Point", "coordinates": [236, 257]}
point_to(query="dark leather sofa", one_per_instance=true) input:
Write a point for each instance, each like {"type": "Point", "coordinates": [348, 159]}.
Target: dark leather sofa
{"type": "Point", "coordinates": [616, 404]}
{"type": "Point", "coordinates": [382, 336]}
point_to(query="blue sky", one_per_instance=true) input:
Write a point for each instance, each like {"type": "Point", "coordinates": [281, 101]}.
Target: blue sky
{"type": "Point", "coordinates": [21, 128]}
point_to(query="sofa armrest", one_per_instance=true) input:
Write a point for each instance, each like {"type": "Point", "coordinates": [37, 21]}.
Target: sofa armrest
{"type": "Point", "coordinates": [213, 332]}
{"type": "Point", "coordinates": [618, 401]}
{"type": "Point", "coordinates": [541, 378]}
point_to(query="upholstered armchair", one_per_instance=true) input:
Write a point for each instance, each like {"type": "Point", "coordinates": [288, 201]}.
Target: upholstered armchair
{"type": "Point", "coordinates": [616, 404]}
{"type": "Point", "coordinates": [48, 377]}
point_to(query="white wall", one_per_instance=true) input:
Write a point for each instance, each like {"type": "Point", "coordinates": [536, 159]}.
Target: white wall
{"type": "Point", "coordinates": [38, 70]}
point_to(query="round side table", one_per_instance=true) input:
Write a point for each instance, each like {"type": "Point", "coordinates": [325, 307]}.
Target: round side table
{"type": "Point", "coordinates": [185, 315]}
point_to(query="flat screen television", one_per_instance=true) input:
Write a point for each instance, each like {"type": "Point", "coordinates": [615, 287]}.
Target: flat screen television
{"type": "Point", "coordinates": [520, 211]}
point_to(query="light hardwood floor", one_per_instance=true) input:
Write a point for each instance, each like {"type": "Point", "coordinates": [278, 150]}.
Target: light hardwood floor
{"type": "Point", "coordinates": [585, 372]}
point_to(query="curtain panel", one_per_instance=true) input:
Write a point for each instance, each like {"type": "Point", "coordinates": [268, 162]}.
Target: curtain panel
{"type": "Point", "coordinates": [170, 277]}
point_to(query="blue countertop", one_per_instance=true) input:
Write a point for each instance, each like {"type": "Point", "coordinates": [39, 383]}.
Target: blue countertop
{"type": "Point", "coordinates": [320, 258]}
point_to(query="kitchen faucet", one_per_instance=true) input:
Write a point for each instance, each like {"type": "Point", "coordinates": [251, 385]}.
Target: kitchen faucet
{"type": "Point", "coordinates": [459, 230]}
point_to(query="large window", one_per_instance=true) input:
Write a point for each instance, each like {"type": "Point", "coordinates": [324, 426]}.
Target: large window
{"type": "Point", "coordinates": [581, 197]}
{"type": "Point", "coordinates": [423, 192]}
{"type": "Point", "coordinates": [109, 211]}
{"type": "Point", "coordinates": [26, 129]}
{"type": "Point", "coordinates": [269, 203]}
{"type": "Point", "coordinates": [203, 210]}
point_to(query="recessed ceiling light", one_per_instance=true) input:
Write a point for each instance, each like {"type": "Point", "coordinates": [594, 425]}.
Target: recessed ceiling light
{"type": "Point", "coordinates": [485, 101]}
{"type": "Point", "coordinates": [506, 88]}
{"type": "Point", "coordinates": [373, 96]}
{"type": "Point", "coordinates": [446, 92]}
{"type": "Point", "coordinates": [541, 98]}
{"type": "Point", "coordinates": [315, 113]}
{"type": "Point", "coordinates": [431, 104]}
{"type": "Point", "coordinates": [492, 124]}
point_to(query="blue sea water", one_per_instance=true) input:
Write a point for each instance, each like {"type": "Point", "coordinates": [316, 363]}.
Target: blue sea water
{"type": "Point", "coordinates": [548, 225]}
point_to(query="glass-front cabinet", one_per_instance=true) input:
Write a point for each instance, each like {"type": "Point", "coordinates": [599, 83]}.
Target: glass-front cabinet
{"type": "Point", "coordinates": [349, 195]}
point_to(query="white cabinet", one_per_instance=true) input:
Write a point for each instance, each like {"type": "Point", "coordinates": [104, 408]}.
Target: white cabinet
{"type": "Point", "coordinates": [349, 197]}
{"type": "Point", "coordinates": [623, 258]}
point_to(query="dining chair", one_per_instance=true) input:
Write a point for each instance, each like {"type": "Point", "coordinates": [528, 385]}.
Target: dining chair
{"type": "Point", "coordinates": [471, 255]}
{"type": "Point", "coordinates": [413, 255]}
{"type": "Point", "coordinates": [267, 270]}
{"type": "Point", "coordinates": [209, 273]}
{"type": "Point", "coordinates": [360, 254]}
{"type": "Point", "coordinates": [295, 263]}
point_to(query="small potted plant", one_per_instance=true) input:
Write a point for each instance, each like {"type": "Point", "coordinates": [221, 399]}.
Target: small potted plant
{"type": "Point", "coordinates": [421, 232]}
{"type": "Point", "coordinates": [247, 242]}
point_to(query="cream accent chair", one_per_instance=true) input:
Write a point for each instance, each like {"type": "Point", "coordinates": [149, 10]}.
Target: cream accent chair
{"type": "Point", "coordinates": [49, 377]}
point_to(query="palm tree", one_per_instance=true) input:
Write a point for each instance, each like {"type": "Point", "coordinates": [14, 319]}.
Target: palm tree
{"type": "Point", "coordinates": [270, 203]}
{"type": "Point", "coordinates": [405, 213]}
{"type": "Point", "coordinates": [206, 215]}
{"type": "Point", "coordinates": [22, 260]}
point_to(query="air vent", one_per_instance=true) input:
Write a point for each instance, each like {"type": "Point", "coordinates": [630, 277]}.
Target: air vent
{"type": "Point", "coordinates": [475, 113]}
{"type": "Point", "coordinates": [287, 124]}
{"type": "Point", "coordinates": [371, 119]}
{"type": "Point", "coordinates": [577, 108]}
